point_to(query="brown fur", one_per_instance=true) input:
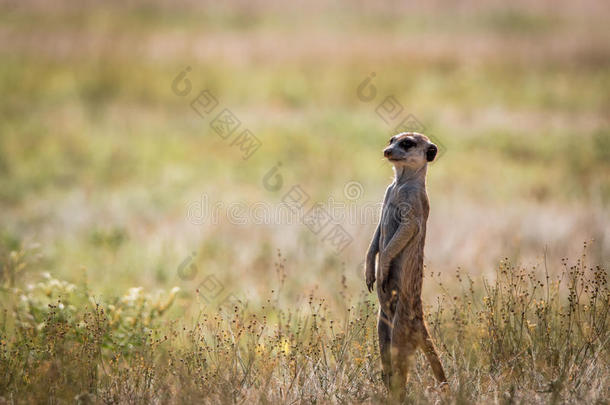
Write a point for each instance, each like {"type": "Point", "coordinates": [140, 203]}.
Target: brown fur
{"type": "Point", "coordinates": [399, 240]}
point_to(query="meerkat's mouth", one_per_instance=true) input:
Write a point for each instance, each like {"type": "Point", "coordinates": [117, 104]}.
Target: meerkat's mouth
{"type": "Point", "coordinates": [395, 160]}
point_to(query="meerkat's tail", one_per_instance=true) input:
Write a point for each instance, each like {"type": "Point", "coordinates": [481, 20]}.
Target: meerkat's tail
{"type": "Point", "coordinates": [432, 356]}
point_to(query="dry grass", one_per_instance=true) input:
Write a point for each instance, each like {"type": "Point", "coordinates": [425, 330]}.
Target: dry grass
{"type": "Point", "coordinates": [524, 337]}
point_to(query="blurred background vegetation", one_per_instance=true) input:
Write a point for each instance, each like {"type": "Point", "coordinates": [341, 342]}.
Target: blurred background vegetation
{"type": "Point", "coordinates": [100, 159]}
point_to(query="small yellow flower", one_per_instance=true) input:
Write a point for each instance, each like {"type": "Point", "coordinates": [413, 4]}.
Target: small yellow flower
{"type": "Point", "coordinates": [259, 349]}
{"type": "Point", "coordinates": [284, 346]}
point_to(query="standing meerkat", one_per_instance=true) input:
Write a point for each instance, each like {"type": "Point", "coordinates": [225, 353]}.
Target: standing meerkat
{"type": "Point", "coordinates": [399, 240]}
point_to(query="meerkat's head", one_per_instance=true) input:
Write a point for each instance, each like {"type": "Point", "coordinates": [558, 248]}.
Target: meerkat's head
{"type": "Point", "coordinates": [410, 150]}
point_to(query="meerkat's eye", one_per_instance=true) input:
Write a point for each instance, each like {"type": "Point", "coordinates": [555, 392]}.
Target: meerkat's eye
{"type": "Point", "coordinates": [407, 143]}
{"type": "Point", "coordinates": [391, 140]}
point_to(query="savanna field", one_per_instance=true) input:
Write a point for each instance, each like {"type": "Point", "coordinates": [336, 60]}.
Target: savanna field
{"type": "Point", "coordinates": [150, 254]}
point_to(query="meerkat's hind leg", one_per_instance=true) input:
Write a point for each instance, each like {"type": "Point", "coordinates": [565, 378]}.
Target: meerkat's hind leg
{"type": "Point", "coordinates": [432, 355]}
{"type": "Point", "coordinates": [384, 329]}
{"type": "Point", "coordinates": [403, 348]}
{"type": "Point", "coordinates": [404, 344]}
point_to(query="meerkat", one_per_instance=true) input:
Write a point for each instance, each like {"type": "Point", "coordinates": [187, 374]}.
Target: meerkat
{"type": "Point", "coordinates": [399, 240]}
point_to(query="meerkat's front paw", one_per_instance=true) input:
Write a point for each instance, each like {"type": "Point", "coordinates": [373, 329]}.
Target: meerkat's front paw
{"type": "Point", "coordinates": [370, 278]}
{"type": "Point", "coordinates": [384, 274]}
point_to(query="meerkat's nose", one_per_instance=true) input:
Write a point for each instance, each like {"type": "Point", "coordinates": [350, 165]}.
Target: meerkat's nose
{"type": "Point", "coordinates": [387, 152]}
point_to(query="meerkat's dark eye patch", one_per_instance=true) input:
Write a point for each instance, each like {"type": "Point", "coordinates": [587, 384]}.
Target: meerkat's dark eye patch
{"type": "Point", "coordinates": [407, 143]}
{"type": "Point", "coordinates": [431, 152]}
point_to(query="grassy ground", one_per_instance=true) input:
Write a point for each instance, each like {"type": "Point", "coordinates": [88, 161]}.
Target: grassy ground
{"type": "Point", "coordinates": [105, 174]}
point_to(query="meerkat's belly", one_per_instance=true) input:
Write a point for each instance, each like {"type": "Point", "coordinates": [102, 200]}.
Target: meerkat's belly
{"type": "Point", "coordinates": [389, 298]}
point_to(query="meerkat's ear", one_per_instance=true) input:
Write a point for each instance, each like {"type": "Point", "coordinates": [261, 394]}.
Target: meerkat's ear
{"type": "Point", "coordinates": [431, 152]}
